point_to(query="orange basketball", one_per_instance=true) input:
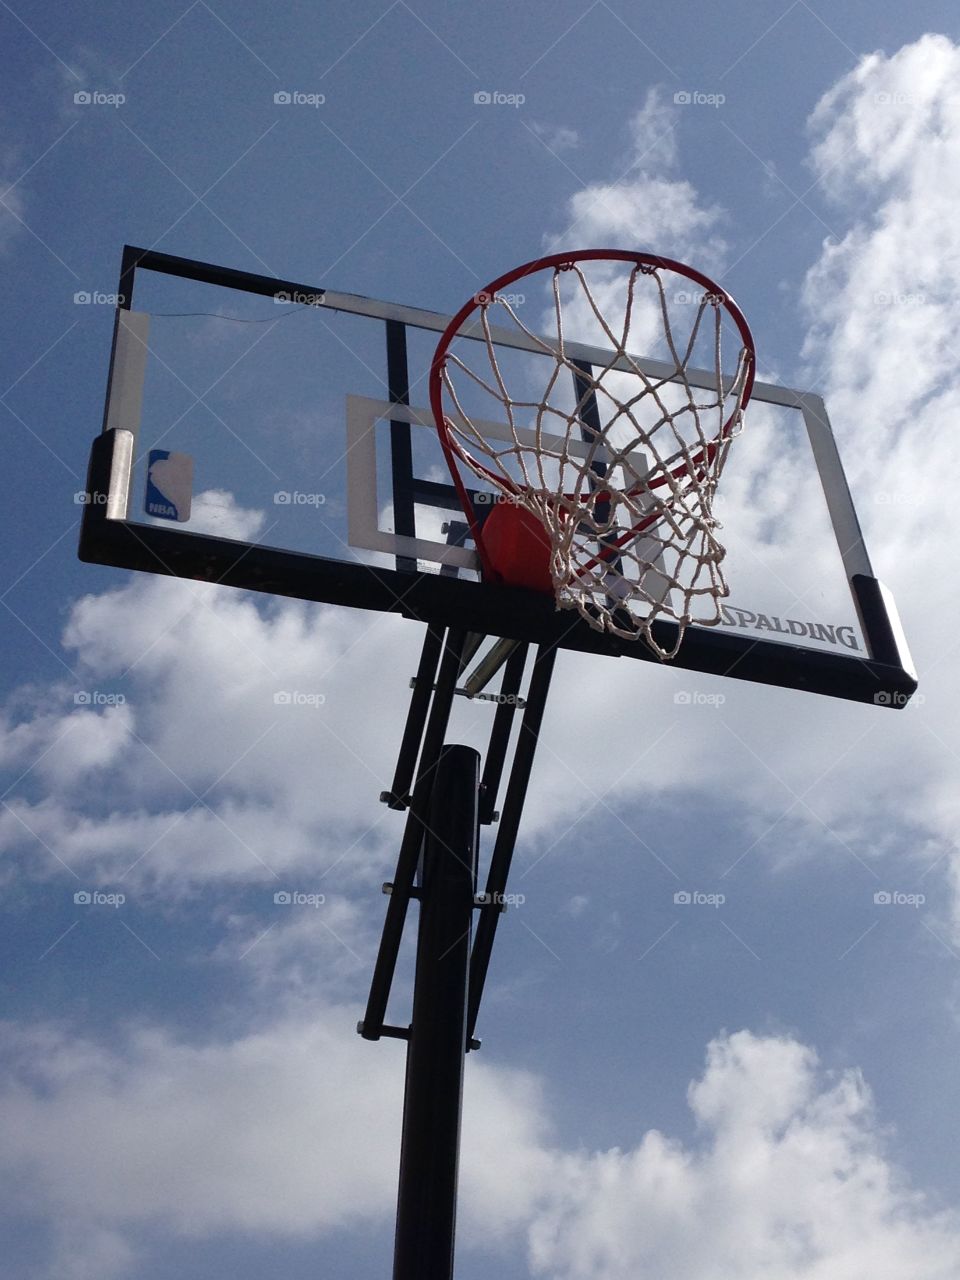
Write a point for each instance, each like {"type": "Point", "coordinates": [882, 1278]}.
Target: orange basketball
{"type": "Point", "coordinates": [518, 547]}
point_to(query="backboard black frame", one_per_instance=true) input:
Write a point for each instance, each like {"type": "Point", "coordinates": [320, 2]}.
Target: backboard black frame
{"type": "Point", "coordinates": [885, 677]}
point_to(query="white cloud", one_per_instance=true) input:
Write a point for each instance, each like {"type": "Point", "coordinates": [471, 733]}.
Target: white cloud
{"type": "Point", "coordinates": [890, 121]}
{"type": "Point", "coordinates": [883, 303]}
{"type": "Point", "coordinates": [644, 212]}
{"type": "Point", "coordinates": [84, 1252]}
{"type": "Point", "coordinates": [63, 749]}
{"type": "Point", "coordinates": [217, 512]}
{"type": "Point", "coordinates": [557, 137]}
{"type": "Point", "coordinates": [884, 298]}
{"type": "Point", "coordinates": [647, 206]}
{"type": "Point", "coordinates": [255, 740]}
{"type": "Point", "coordinates": [254, 710]}
{"type": "Point", "coordinates": [305, 950]}
{"type": "Point", "coordinates": [294, 1130]}
{"type": "Point", "coordinates": [653, 133]}
{"type": "Point", "coordinates": [176, 847]}
{"type": "Point", "coordinates": [789, 1182]}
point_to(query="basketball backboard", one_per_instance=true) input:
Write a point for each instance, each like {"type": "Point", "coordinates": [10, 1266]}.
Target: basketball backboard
{"type": "Point", "coordinates": [276, 436]}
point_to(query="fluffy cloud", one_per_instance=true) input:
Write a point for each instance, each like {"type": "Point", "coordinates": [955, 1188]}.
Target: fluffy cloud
{"type": "Point", "coordinates": [64, 748]}
{"type": "Point", "coordinates": [208, 1137]}
{"type": "Point", "coordinates": [883, 299]}
{"type": "Point", "coordinates": [647, 205]}
{"type": "Point", "coordinates": [883, 303]}
{"type": "Point", "coordinates": [239, 750]}
{"type": "Point", "coordinates": [306, 951]}
{"type": "Point", "coordinates": [789, 1181]}
{"type": "Point", "coordinates": [890, 121]}
{"type": "Point", "coordinates": [788, 1177]}
{"type": "Point", "coordinates": [293, 1129]}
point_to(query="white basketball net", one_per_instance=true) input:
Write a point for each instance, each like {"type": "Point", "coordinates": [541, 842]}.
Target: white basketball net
{"type": "Point", "coordinates": [622, 469]}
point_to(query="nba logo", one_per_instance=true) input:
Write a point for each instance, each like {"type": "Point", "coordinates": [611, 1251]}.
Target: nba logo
{"type": "Point", "coordinates": [169, 485]}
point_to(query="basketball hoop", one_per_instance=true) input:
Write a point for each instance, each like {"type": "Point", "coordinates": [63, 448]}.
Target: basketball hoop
{"type": "Point", "coordinates": [604, 486]}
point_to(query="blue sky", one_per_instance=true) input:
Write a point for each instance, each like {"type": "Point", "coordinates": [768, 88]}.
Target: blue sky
{"type": "Point", "coordinates": [762, 1088]}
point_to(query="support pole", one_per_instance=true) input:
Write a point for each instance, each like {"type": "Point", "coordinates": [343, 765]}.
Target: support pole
{"type": "Point", "coordinates": [401, 446]}
{"type": "Point", "coordinates": [500, 734]}
{"type": "Point", "coordinates": [398, 797]}
{"type": "Point", "coordinates": [436, 1049]}
{"type": "Point", "coordinates": [488, 666]}
{"type": "Point", "coordinates": [418, 816]}
{"type": "Point", "coordinates": [509, 826]}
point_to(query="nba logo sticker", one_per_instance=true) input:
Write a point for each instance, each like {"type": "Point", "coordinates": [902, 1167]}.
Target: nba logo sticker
{"type": "Point", "coordinates": [169, 485]}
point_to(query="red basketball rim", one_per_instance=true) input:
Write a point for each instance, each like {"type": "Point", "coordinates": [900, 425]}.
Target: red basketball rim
{"type": "Point", "coordinates": [452, 448]}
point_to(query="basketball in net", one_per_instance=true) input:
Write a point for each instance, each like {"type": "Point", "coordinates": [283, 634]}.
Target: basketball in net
{"type": "Point", "coordinates": [598, 468]}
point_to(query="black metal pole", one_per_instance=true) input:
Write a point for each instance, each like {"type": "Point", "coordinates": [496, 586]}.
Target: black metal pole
{"type": "Point", "coordinates": [430, 1146]}
{"type": "Point", "coordinates": [500, 734]}
{"type": "Point", "coordinates": [499, 867]}
{"type": "Point", "coordinates": [398, 797]}
{"type": "Point", "coordinates": [401, 446]}
{"type": "Point", "coordinates": [418, 818]}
